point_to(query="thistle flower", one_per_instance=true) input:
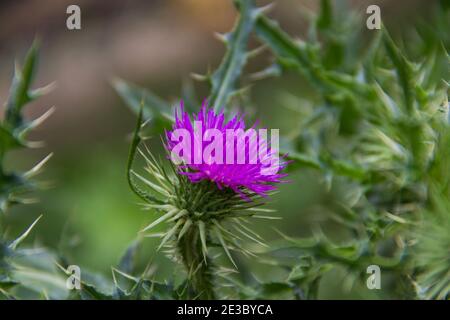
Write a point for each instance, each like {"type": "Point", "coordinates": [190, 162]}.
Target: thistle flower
{"type": "Point", "coordinates": [225, 152]}
{"type": "Point", "coordinates": [208, 204]}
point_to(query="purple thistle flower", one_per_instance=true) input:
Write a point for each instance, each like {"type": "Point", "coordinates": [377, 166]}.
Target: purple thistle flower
{"type": "Point", "coordinates": [246, 166]}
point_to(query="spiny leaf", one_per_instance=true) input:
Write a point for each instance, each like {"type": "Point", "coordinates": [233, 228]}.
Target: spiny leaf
{"type": "Point", "coordinates": [403, 69]}
{"type": "Point", "coordinates": [289, 53]}
{"type": "Point", "coordinates": [19, 92]}
{"type": "Point", "coordinates": [128, 260]}
{"type": "Point", "coordinates": [133, 95]}
{"type": "Point", "coordinates": [223, 80]}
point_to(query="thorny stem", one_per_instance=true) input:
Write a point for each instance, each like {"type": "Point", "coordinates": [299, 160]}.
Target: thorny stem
{"type": "Point", "coordinates": [199, 270]}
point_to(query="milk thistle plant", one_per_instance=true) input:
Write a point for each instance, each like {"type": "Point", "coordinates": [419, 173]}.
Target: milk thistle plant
{"type": "Point", "coordinates": [374, 132]}
{"type": "Point", "coordinates": [18, 265]}
{"type": "Point", "coordinates": [208, 202]}
{"type": "Point", "coordinates": [378, 131]}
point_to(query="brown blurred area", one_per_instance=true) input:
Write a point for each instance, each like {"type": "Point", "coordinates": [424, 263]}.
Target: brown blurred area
{"type": "Point", "coordinates": [155, 43]}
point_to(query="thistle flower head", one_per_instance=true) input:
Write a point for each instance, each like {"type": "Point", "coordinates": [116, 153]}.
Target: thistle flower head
{"type": "Point", "coordinates": [208, 200]}
{"type": "Point", "coordinates": [208, 147]}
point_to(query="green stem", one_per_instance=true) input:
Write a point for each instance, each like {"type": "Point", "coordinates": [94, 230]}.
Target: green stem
{"type": "Point", "coordinates": [199, 271]}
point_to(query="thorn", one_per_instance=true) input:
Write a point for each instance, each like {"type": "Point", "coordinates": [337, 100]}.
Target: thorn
{"type": "Point", "coordinates": [16, 242]}
{"type": "Point", "coordinates": [222, 37]}
{"type": "Point", "coordinates": [43, 90]}
{"type": "Point", "coordinates": [225, 248]}
{"type": "Point", "coordinates": [185, 228]}
{"type": "Point", "coordinates": [242, 91]}
{"type": "Point", "coordinates": [267, 217]}
{"type": "Point", "coordinates": [271, 71]}
{"type": "Point", "coordinates": [114, 278]}
{"type": "Point", "coordinates": [61, 267]}
{"type": "Point", "coordinates": [201, 227]}
{"type": "Point", "coordinates": [169, 234]}
{"type": "Point", "coordinates": [257, 51]}
{"type": "Point", "coordinates": [124, 274]}
{"type": "Point", "coordinates": [182, 213]}
{"type": "Point", "coordinates": [160, 219]}
{"type": "Point", "coordinates": [152, 185]}
{"type": "Point", "coordinates": [154, 235]}
{"type": "Point", "coordinates": [199, 77]}
{"type": "Point", "coordinates": [264, 9]}
{"type": "Point", "coordinates": [17, 69]}
{"type": "Point", "coordinates": [37, 168]}
{"type": "Point", "coordinates": [36, 122]}
{"type": "Point", "coordinates": [34, 144]}
{"type": "Point", "coordinates": [24, 200]}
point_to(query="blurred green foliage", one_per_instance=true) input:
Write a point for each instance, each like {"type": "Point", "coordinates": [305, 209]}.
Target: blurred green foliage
{"type": "Point", "coordinates": [365, 121]}
{"type": "Point", "coordinates": [374, 133]}
{"type": "Point", "coordinates": [23, 271]}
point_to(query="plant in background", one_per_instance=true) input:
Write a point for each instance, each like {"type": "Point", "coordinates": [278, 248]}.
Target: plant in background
{"type": "Point", "coordinates": [14, 129]}
{"type": "Point", "coordinates": [377, 132]}
{"type": "Point", "coordinates": [21, 270]}
{"type": "Point", "coordinates": [378, 128]}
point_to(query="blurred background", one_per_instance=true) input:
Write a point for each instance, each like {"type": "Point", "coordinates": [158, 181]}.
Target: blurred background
{"type": "Point", "coordinates": [89, 212]}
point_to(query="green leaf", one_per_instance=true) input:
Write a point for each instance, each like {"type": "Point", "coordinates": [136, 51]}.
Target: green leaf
{"type": "Point", "coordinates": [275, 290]}
{"type": "Point", "coordinates": [224, 79]}
{"type": "Point", "coordinates": [303, 58]}
{"type": "Point", "coordinates": [201, 228]}
{"type": "Point", "coordinates": [90, 292]}
{"type": "Point", "coordinates": [13, 129]}
{"type": "Point", "coordinates": [132, 154]}
{"type": "Point", "coordinates": [128, 261]}
{"type": "Point", "coordinates": [19, 94]}
{"type": "Point", "coordinates": [154, 109]}
{"type": "Point", "coordinates": [325, 17]}
{"type": "Point", "coordinates": [403, 68]}
{"type": "Point", "coordinates": [8, 140]}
